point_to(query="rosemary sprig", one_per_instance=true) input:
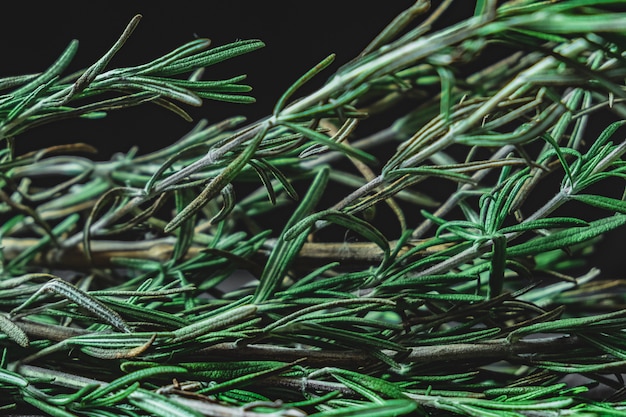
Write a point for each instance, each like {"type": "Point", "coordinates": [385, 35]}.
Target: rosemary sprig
{"type": "Point", "coordinates": [182, 300]}
{"type": "Point", "coordinates": [48, 96]}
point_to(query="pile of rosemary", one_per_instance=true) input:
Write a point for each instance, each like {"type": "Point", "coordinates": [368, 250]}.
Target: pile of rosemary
{"type": "Point", "coordinates": [306, 263]}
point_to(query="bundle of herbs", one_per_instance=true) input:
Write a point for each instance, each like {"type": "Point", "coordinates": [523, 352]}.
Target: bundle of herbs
{"type": "Point", "coordinates": [165, 283]}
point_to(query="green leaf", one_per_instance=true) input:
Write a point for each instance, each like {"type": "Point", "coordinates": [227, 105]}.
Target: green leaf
{"type": "Point", "coordinates": [444, 280]}
{"type": "Point", "coordinates": [339, 106]}
{"type": "Point", "coordinates": [322, 139]}
{"type": "Point", "coordinates": [47, 408]}
{"type": "Point", "coordinates": [285, 251]}
{"type": "Point", "coordinates": [90, 74]}
{"type": "Point", "coordinates": [27, 101]}
{"type": "Point", "coordinates": [559, 153]}
{"type": "Point", "coordinates": [484, 7]}
{"type": "Point", "coordinates": [261, 171]}
{"type": "Point", "coordinates": [12, 378]}
{"type": "Point", "coordinates": [223, 319]}
{"type": "Point", "coordinates": [248, 377]}
{"type": "Point", "coordinates": [227, 370]}
{"type": "Point", "coordinates": [115, 196]}
{"type": "Point", "coordinates": [220, 86]}
{"type": "Point", "coordinates": [141, 313]}
{"type": "Point", "coordinates": [376, 385]}
{"type": "Point", "coordinates": [604, 137]}
{"type": "Point", "coordinates": [113, 399]}
{"type": "Point", "coordinates": [218, 183]}
{"type": "Point", "coordinates": [546, 37]}
{"type": "Point", "coordinates": [447, 84]}
{"type": "Point", "coordinates": [547, 223]}
{"type": "Point", "coordinates": [390, 408]}
{"type": "Point", "coordinates": [441, 172]}
{"type": "Point", "coordinates": [186, 231]}
{"type": "Point", "coordinates": [497, 265]}
{"type": "Point", "coordinates": [567, 237]}
{"type": "Point", "coordinates": [63, 227]}
{"type": "Point", "coordinates": [159, 405]}
{"type": "Point", "coordinates": [606, 203]}
{"type": "Point", "coordinates": [14, 332]}
{"type": "Point", "coordinates": [136, 376]}
{"type": "Point", "coordinates": [228, 204]}
{"type": "Point", "coordinates": [364, 341]}
{"type": "Point", "coordinates": [13, 81]}
{"type": "Point", "coordinates": [358, 388]}
{"type": "Point", "coordinates": [183, 51]}
{"type": "Point", "coordinates": [228, 98]}
{"type": "Point", "coordinates": [82, 299]}
{"type": "Point", "coordinates": [498, 205]}
{"type": "Point", "coordinates": [575, 324]}
{"type": "Point", "coordinates": [284, 181]}
{"type": "Point", "coordinates": [163, 89]}
{"type": "Point", "coordinates": [571, 24]}
{"type": "Point", "coordinates": [53, 71]}
{"type": "Point", "coordinates": [282, 101]}
{"type": "Point", "coordinates": [208, 58]}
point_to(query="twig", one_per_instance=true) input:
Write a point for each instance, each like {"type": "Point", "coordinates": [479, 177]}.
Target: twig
{"type": "Point", "coordinates": [498, 349]}
{"type": "Point", "coordinates": [104, 252]}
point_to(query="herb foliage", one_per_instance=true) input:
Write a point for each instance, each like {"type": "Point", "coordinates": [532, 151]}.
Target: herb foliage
{"type": "Point", "coordinates": [479, 306]}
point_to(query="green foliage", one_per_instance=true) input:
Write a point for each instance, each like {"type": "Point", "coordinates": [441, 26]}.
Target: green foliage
{"type": "Point", "coordinates": [183, 301]}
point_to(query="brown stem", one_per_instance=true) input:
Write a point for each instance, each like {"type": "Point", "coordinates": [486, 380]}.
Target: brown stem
{"type": "Point", "coordinates": [160, 250]}
{"type": "Point", "coordinates": [493, 350]}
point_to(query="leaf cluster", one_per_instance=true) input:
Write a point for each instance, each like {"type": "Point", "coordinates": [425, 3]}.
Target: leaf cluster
{"type": "Point", "coordinates": [182, 300]}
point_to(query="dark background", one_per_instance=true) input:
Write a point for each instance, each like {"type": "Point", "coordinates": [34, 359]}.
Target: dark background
{"type": "Point", "coordinates": [297, 34]}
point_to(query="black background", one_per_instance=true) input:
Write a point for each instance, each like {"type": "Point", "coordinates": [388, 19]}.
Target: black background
{"type": "Point", "coordinates": [297, 34]}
